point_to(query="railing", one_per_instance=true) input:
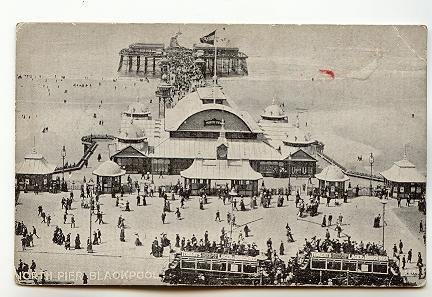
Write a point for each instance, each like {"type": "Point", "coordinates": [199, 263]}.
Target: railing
{"type": "Point", "coordinates": [362, 175]}
{"type": "Point", "coordinates": [86, 140]}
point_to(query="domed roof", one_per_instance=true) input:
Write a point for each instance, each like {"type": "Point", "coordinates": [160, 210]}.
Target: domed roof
{"type": "Point", "coordinates": [295, 135]}
{"type": "Point", "coordinates": [137, 108]}
{"type": "Point", "coordinates": [109, 168]}
{"type": "Point", "coordinates": [332, 173]}
{"type": "Point", "coordinates": [273, 111]}
{"type": "Point", "coordinates": [131, 132]}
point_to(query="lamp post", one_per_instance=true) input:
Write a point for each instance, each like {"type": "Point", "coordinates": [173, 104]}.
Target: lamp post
{"type": "Point", "coordinates": [371, 162]}
{"type": "Point", "coordinates": [63, 154]}
{"type": "Point", "coordinates": [232, 193]}
{"type": "Point", "coordinates": [90, 244]}
{"type": "Point", "coordinates": [383, 202]}
{"type": "Point", "coordinates": [289, 174]}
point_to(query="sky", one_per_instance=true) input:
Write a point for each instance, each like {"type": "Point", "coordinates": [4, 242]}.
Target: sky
{"type": "Point", "coordinates": [93, 48]}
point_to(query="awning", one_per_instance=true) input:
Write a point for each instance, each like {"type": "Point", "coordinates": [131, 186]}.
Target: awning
{"type": "Point", "coordinates": [221, 170]}
{"type": "Point", "coordinates": [403, 172]}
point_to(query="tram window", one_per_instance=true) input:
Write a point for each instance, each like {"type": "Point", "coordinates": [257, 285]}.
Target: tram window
{"type": "Point", "coordinates": [234, 267]}
{"type": "Point", "coordinates": [249, 268]}
{"type": "Point", "coordinates": [366, 267]}
{"type": "Point", "coordinates": [349, 266]}
{"type": "Point", "coordinates": [334, 265]}
{"type": "Point", "coordinates": [188, 264]}
{"type": "Point", "coordinates": [380, 267]}
{"type": "Point", "coordinates": [318, 264]}
{"type": "Point", "coordinates": [203, 265]}
{"type": "Point", "coordinates": [219, 266]}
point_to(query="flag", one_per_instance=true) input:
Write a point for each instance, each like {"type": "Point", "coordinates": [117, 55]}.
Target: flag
{"type": "Point", "coordinates": [328, 72]}
{"type": "Point", "coordinates": [209, 39]}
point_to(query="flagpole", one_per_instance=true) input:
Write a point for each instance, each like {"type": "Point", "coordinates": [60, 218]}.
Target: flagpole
{"type": "Point", "coordinates": [215, 69]}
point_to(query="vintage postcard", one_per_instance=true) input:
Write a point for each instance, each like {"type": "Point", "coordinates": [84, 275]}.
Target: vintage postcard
{"type": "Point", "coordinates": [220, 155]}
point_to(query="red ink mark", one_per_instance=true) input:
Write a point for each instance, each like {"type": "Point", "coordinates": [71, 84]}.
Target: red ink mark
{"type": "Point", "coordinates": [328, 72]}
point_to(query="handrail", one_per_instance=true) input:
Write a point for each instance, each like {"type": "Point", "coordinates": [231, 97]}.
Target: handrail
{"type": "Point", "coordinates": [89, 140]}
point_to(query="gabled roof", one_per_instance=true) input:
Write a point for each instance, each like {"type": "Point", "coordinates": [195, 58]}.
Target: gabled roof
{"type": "Point", "coordinates": [221, 170]}
{"type": "Point", "coordinates": [403, 171]}
{"type": "Point", "coordinates": [129, 152]}
{"type": "Point", "coordinates": [300, 155]}
{"type": "Point", "coordinates": [35, 163]}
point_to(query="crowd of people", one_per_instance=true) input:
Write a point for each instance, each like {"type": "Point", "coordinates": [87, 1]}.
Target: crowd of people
{"type": "Point", "coordinates": [223, 246]}
{"type": "Point", "coordinates": [348, 246]}
{"type": "Point", "coordinates": [183, 73]}
{"type": "Point", "coordinates": [27, 236]}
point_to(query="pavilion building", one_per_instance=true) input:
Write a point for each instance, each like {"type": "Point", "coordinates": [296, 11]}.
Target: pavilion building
{"type": "Point", "coordinates": [404, 180]}
{"type": "Point", "coordinates": [297, 147]}
{"type": "Point", "coordinates": [108, 177]}
{"type": "Point", "coordinates": [34, 173]}
{"type": "Point", "coordinates": [331, 180]}
{"type": "Point", "coordinates": [205, 174]}
{"type": "Point", "coordinates": [194, 126]}
{"type": "Point", "coordinates": [131, 149]}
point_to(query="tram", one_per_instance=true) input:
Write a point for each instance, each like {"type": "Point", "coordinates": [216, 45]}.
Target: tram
{"type": "Point", "coordinates": [200, 268]}
{"type": "Point", "coordinates": [342, 269]}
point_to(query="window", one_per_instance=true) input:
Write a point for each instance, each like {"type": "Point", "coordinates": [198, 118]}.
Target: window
{"type": "Point", "coordinates": [204, 265]}
{"type": "Point", "coordinates": [249, 268]}
{"type": "Point", "coordinates": [334, 265]}
{"type": "Point", "coordinates": [366, 267]}
{"type": "Point", "coordinates": [188, 264]}
{"type": "Point", "coordinates": [218, 266]}
{"type": "Point", "coordinates": [234, 267]}
{"type": "Point", "coordinates": [380, 267]}
{"type": "Point", "coordinates": [349, 266]}
{"type": "Point", "coordinates": [318, 264]}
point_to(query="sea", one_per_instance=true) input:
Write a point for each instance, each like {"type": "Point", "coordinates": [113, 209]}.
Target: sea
{"type": "Point", "coordinates": [374, 104]}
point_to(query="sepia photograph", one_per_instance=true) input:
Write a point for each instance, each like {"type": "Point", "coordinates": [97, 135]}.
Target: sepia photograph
{"type": "Point", "coordinates": [220, 155]}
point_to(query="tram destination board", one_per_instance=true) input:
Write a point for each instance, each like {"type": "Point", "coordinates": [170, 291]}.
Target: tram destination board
{"type": "Point", "coordinates": [220, 155]}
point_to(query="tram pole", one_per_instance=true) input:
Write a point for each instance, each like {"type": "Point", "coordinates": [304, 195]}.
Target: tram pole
{"type": "Point", "coordinates": [383, 202]}
{"type": "Point", "coordinates": [232, 193]}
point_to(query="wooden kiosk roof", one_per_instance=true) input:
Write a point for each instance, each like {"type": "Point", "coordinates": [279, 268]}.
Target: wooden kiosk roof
{"type": "Point", "coordinates": [36, 164]}
{"type": "Point", "coordinates": [403, 171]}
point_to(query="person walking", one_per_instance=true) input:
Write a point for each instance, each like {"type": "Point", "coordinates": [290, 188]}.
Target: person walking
{"type": "Point", "coordinates": [324, 221]}
{"type": "Point", "coordinates": [163, 216]}
{"type": "Point", "coordinates": [281, 249]}
{"type": "Point", "coordinates": [34, 232]}
{"type": "Point", "coordinates": [400, 246]}
{"type": "Point", "coordinates": [409, 258]}
{"type": "Point", "coordinates": [217, 216]}
{"type": "Point", "coordinates": [72, 221]}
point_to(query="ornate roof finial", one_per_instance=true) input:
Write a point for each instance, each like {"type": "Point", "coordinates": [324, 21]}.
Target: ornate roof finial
{"type": "Point", "coordinates": [405, 152]}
